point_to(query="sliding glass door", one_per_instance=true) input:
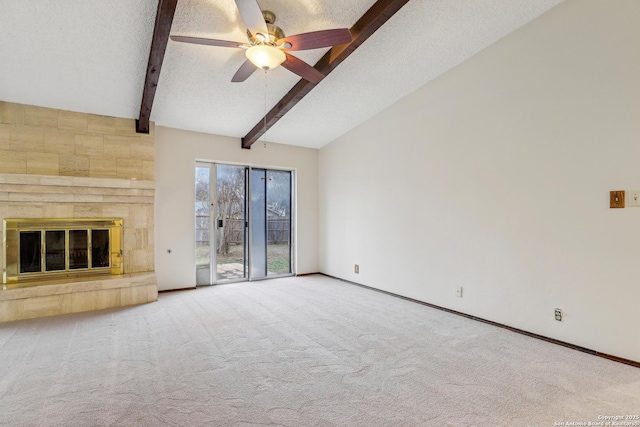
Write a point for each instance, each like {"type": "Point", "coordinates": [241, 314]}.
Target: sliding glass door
{"type": "Point", "coordinates": [203, 221]}
{"type": "Point", "coordinates": [230, 223]}
{"type": "Point", "coordinates": [258, 224]}
{"type": "Point", "coordinates": [271, 196]}
{"type": "Point", "coordinates": [243, 223]}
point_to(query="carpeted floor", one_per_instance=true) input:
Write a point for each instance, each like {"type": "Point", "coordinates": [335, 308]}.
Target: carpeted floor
{"type": "Point", "coordinates": [309, 351]}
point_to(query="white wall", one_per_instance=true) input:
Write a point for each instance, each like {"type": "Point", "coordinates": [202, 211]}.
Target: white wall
{"type": "Point", "coordinates": [176, 154]}
{"type": "Point", "coordinates": [496, 177]}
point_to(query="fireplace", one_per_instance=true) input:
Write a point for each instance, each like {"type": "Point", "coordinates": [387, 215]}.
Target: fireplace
{"type": "Point", "coordinates": [37, 249]}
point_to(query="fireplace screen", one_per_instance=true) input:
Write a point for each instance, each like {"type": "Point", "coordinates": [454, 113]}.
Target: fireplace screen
{"type": "Point", "coordinates": [46, 248]}
{"type": "Point", "coordinates": [30, 258]}
{"type": "Point", "coordinates": [54, 259]}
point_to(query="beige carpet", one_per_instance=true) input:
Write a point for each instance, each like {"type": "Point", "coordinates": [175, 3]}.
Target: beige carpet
{"type": "Point", "coordinates": [309, 351]}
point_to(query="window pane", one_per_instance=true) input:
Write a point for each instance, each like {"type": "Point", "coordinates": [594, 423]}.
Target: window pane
{"type": "Point", "coordinates": [54, 241]}
{"type": "Point", "coordinates": [258, 224]}
{"type": "Point", "coordinates": [99, 248]}
{"type": "Point", "coordinates": [230, 223]}
{"type": "Point", "coordinates": [78, 249]}
{"type": "Point", "coordinates": [278, 222]}
{"type": "Point", "coordinates": [203, 212]}
{"type": "Point", "coordinates": [30, 249]}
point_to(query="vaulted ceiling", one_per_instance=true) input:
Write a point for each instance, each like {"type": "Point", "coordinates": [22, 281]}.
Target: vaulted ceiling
{"type": "Point", "coordinates": [92, 57]}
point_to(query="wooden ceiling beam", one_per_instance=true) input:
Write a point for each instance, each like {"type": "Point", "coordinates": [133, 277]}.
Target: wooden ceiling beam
{"type": "Point", "coordinates": [164, 19]}
{"type": "Point", "coordinates": [368, 24]}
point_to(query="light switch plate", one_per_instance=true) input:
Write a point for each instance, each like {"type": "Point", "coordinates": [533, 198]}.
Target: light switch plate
{"type": "Point", "coordinates": [634, 198]}
{"type": "Point", "coordinates": [616, 199]}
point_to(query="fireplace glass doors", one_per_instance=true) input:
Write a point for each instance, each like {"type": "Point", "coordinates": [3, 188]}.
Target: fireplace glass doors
{"type": "Point", "coordinates": [54, 259]}
{"type": "Point", "coordinates": [48, 248]}
{"type": "Point", "coordinates": [30, 260]}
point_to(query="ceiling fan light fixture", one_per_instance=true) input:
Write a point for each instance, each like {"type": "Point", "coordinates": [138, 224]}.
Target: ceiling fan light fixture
{"type": "Point", "coordinates": [265, 57]}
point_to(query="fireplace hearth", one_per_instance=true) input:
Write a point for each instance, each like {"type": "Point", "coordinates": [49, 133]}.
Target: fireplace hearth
{"type": "Point", "coordinates": [74, 258]}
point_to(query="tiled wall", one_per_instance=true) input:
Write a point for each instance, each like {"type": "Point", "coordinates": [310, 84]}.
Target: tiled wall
{"type": "Point", "coordinates": [42, 196]}
{"type": "Point", "coordinates": [61, 164]}
{"type": "Point", "coordinates": [45, 141]}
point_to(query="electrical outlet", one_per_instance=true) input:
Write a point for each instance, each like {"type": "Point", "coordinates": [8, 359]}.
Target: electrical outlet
{"type": "Point", "coordinates": [459, 291]}
{"type": "Point", "coordinates": [356, 269]}
{"type": "Point", "coordinates": [558, 313]}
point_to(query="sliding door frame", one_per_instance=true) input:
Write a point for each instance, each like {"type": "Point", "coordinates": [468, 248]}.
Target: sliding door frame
{"type": "Point", "coordinates": [213, 231]}
{"type": "Point", "coordinates": [292, 205]}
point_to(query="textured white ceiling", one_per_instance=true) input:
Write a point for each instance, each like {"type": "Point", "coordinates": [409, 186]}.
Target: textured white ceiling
{"type": "Point", "coordinates": [88, 56]}
{"type": "Point", "coordinates": [195, 90]}
{"type": "Point", "coordinates": [91, 56]}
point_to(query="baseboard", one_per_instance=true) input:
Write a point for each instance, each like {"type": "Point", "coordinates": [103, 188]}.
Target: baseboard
{"type": "Point", "coordinates": [499, 325]}
{"type": "Point", "coordinates": [166, 291]}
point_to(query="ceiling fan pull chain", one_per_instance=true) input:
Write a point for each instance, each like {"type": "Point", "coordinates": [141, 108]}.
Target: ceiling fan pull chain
{"type": "Point", "coordinates": [265, 109]}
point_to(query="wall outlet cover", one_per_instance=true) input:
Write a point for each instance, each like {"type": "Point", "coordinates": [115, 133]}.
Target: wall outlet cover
{"type": "Point", "coordinates": [558, 314]}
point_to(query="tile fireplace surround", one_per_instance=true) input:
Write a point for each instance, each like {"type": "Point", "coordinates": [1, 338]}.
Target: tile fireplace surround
{"type": "Point", "coordinates": [59, 164]}
{"type": "Point", "coordinates": [35, 196]}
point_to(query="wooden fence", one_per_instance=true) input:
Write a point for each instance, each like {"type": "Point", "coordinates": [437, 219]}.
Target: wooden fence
{"type": "Point", "coordinates": [278, 230]}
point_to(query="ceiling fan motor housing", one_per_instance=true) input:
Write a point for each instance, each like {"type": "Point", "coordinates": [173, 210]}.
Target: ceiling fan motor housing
{"type": "Point", "coordinates": [269, 17]}
{"type": "Point", "coordinates": [275, 32]}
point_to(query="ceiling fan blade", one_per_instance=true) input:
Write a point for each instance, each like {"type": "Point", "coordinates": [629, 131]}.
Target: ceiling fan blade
{"type": "Point", "coordinates": [318, 39]}
{"type": "Point", "coordinates": [208, 42]}
{"type": "Point", "coordinates": [302, 69]}
{"type": "Point", "coordinates": [252, 17]}
{"type": "Point", "coordinates": [244, 72]}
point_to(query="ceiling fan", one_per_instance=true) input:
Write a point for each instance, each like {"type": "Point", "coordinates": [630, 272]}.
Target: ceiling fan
{"type": "Point", "coordinates": [268, 47]}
